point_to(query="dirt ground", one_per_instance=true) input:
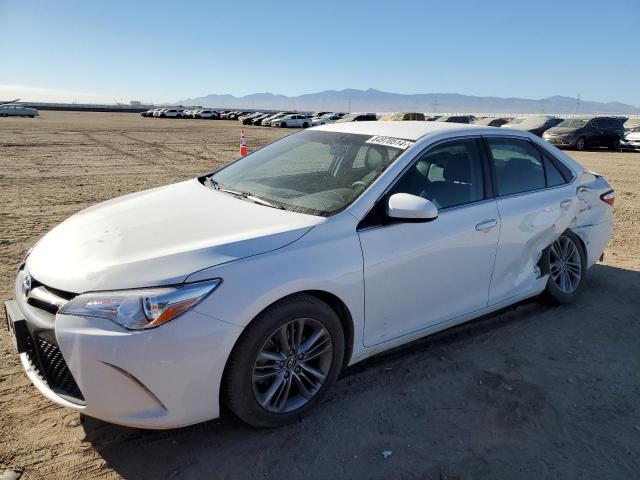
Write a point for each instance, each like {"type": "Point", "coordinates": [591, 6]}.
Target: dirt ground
{"type": "Point", "coordinates": [530, 392]}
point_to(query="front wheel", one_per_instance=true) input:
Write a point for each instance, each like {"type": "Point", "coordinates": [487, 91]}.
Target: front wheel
{"type": "Point", "coordinates": [566, 263]}
{"type": "Point", "coordinates": [305, 125]}
{"type": "Point", "coordinates": [580, 143]}
{"type": "Point", "coordinates": [285, 362]}
{"type": "Point", "coordinates": [283, 125]}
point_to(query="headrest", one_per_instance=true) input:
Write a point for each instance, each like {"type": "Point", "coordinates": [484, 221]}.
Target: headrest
{"type": "Point", "coordinates": [422, 166]}
{"type": "Point", "coordinates": [374, 158]}
{"type": "Point", "coordinates": [519, 164]}
{"type": "Point", "coordinates": [458, 168]}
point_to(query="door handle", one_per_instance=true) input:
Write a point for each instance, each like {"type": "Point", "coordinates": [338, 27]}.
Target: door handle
{"type": "Point", "coordinates": [486, 225]}
{"type": "Point", "coordinates": [566, 203]}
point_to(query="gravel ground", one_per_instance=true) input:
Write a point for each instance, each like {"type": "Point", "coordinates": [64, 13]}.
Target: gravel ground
{"type": "Point", "coordinates": [530, 392]}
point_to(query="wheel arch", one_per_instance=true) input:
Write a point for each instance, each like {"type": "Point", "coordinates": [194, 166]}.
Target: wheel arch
{"type": "Point", "coordinates": [583, 245]}
{"type": "Point", "coordinates": [336, 304]}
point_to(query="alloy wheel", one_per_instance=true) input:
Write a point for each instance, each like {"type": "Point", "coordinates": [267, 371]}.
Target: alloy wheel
{"type": "Point", "coordinates": [292, 365]}
{"type": "Point", "coordinates": [565, 264]}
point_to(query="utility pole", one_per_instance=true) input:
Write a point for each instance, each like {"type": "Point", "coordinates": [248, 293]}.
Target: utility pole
{"type": "Point", "coordinates": [577, 104]}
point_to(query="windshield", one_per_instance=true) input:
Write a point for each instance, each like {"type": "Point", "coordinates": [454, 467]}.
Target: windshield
{"type": "Point", "coordinates": [313, 172]}
{"type": "Point", "coordinates": [516, 121]}
{"type": "Point", "coordinates": [632, 123]}
{"type": "Point", "coordinates": [573, 122]}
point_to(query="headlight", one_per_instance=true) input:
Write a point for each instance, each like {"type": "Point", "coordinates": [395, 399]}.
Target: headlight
{"type": "Point", "coordinates": [143, 308]}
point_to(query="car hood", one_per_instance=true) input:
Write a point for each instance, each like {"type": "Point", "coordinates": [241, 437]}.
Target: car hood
{"type": "Point", "coordinates": [159, 237]}
{"type": "Point", "coordinates": [632, 136]}
{"type": "Point", "coordinates": [562, 130]}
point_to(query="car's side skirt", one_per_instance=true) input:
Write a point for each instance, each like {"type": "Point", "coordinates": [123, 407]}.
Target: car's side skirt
{"type": "Point", "coordinates": [361, 352]}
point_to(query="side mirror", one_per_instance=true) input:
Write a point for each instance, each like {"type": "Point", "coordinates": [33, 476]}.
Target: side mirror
{"type": "Point", "coordinates": [404, 206]}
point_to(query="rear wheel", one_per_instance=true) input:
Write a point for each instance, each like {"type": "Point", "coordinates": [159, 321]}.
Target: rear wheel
{"type": "Point", "coordinates": [283, 125]}
{"type": "Point", "coordinates": [285, 362]}
{"type": "Point", "coordinates": [565, 262]}
{"type": "Point", "coordinates": [580, 143]}
{"type": "Point", "coordinates": [305, 125]}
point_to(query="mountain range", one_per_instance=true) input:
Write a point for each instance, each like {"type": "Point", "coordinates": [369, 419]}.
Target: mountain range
{"type": "Point", "coordinates": [378, 101]}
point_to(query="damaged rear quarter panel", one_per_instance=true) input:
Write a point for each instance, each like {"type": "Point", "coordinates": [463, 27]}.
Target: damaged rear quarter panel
{"type": "Point", "coordinates": [593, 221]}
{"type": "Point", "coordinates": [528, 224]}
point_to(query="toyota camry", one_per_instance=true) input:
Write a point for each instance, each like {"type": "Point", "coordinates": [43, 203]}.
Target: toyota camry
{"type": "Point", "coordinates": [254, 286]}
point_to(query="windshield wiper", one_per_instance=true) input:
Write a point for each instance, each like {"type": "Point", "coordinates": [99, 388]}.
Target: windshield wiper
{"type": "Point", "coordinates": [246, 195]}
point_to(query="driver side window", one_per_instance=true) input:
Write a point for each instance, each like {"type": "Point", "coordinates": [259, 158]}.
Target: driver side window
{"type": "Point", "coordinates": [448, 175]}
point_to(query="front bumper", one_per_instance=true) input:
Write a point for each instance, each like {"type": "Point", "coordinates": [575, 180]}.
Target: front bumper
{"type": "Point", "coordinates": [165, 377]}
{"type": "Point", "coordinates": [561, 141]}
{"type": "Point", "coordinates": [630, 144]}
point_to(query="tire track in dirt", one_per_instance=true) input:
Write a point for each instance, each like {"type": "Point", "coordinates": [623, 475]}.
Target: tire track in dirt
{"type": "Point", "coordinates": [106, 145]}
{"type": "Point", "coordinates": [163, 148]}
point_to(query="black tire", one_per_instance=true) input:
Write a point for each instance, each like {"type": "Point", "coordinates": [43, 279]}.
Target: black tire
{"type": "Point", "coordinates": [162, 115]}
{"type": "Point", "coordinates": [305, 125]}
{"type": "Point", "coordinates": [283, 125]}
{"type": "Point", "coordinates": [3, 115]}
{"type": "Point", "coordinates": [580, 143]}
{"type": "Point", "coordinates": [32, 116]}
{"type": "Point", "coordinates": [238, 386]}
{"type": "Point", "coordinates": [553, 293]}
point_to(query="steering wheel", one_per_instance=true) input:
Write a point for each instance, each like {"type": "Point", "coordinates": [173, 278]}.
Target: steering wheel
{"type": "Point", "coordinates": [358, 184]}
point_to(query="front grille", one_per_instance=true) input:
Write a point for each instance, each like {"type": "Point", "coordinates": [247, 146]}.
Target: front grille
{"type": "Point", "coordinates": [47, 298]}
{"type": "Point", "coordinates": [48, 363]}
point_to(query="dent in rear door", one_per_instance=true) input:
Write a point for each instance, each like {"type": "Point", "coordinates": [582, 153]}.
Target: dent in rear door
{"type": "Point", "coordinates": [529, 223]}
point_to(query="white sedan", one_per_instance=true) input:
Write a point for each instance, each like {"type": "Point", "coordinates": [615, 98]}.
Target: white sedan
{"type": "Point", "coordinates": [326, 119]}
{"type": "Point", "coordinates": [169, 113]}
{"type": "Point", "coordinates": [206, 113]}
{"type": "Point", "coordinates": [298, 120]}
{"type": "Point", "coordinates": [255, 285]}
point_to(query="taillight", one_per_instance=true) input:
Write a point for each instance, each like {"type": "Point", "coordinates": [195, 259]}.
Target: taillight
{"type": "Point", "coordinates": [608, 197]}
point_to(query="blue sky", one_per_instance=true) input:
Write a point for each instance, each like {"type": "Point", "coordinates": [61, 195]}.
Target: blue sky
{"type": "Point", "coordinates": [169, 50]}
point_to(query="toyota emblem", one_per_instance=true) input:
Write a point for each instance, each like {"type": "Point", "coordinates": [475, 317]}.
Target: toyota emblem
{"type": "Point", "coordinates": [26, 285]}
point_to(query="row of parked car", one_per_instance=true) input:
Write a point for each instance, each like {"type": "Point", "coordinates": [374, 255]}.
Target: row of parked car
{"type": "Point", "coordinates": [303, 120]}
{"type": "Point", "coordinates": [176, 112]}
{"type": "Point", "coordinates": [578, 132]}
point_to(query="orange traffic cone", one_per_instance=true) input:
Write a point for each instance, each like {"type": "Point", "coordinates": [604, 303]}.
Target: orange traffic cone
{"type": "Point", "coordinates": [243, 145]}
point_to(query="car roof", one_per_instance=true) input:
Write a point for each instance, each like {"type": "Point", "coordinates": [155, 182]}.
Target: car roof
{"type": "Point", "coordinates": [410, 130]}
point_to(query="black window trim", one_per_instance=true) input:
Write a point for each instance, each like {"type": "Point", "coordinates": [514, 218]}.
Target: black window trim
{"type": "Point", "coordinates": [486, 173]}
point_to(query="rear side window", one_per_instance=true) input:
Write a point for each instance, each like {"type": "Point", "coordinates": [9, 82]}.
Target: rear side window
{"type": "Point", "coordinates": [554, 176]}
{"type": "Point", "coordinates": [517, 165]}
